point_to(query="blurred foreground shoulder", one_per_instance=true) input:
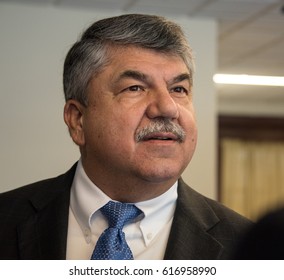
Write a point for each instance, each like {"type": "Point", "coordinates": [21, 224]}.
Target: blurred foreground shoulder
{"type": "Point", "coordinates": [265, 239]}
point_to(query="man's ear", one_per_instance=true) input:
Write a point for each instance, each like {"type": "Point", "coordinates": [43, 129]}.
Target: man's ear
{"type": "Point", "coordinates": [73, 117]}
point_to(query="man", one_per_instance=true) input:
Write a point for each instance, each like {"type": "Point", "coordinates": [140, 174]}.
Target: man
{"type": "Point", "coordinates": [128, 90]}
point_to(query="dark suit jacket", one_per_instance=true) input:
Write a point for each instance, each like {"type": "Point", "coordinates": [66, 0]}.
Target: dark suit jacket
{"type": "Point", "coordinates": [34, 223]}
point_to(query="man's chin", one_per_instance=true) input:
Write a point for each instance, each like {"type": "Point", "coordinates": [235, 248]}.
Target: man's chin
{"type": "Point", "coordinates": [160, 177]}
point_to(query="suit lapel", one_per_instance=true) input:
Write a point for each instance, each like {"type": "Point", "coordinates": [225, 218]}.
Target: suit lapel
{"type": "Point", "coordinates": [189, 237]}
{"type": "Point", "coordinates": [44, 235]}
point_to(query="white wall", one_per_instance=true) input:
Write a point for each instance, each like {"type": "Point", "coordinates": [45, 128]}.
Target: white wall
{"type": "Point", "coordinates": [34, 140]}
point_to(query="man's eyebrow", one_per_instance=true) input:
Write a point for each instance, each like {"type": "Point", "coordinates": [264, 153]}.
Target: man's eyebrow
{"type": "Point", "coordinates": [180, 78]}
{"type": "Point", "coordinates": [136, 75]}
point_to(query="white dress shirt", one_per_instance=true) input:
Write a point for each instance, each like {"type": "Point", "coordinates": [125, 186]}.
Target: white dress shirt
{"type": "Point", "coordinates": [147, 236]}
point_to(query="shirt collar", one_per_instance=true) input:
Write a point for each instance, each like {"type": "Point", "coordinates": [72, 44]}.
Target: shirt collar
{"type": "Point", "coordinates": [86, 199]}
{"type": "Point", "coordinates": [158, 211]}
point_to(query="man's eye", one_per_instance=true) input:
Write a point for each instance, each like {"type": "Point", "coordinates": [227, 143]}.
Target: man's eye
{"type": "Point", "coordinates": [180, 90]}
{"type": "Point", "coordinates": [135, 88]}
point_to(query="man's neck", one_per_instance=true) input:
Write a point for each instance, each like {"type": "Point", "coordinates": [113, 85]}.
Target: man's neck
{"type": "Point", "coordinates": [129, 189]}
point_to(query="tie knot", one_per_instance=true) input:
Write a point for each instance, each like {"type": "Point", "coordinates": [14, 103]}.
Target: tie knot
{"type": "Point", "coordinates": [118, 214]}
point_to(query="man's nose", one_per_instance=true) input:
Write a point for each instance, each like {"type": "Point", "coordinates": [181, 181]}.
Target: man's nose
{"type": "Point", "coordinates": [162, 104]}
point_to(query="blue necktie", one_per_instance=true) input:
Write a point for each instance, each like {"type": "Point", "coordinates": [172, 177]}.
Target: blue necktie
{"type": "Point", "coordinates": [112, 244]}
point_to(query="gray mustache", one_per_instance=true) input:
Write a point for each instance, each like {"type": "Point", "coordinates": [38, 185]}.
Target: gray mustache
{"type": "Point", "coordinates": [161, 125]}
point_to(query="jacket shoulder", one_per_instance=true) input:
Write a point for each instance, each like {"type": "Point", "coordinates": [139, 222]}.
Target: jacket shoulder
{"type": "Point", "coordinates": [22, 201]}
{"type": "Point", "coordinates": [223, 224]}
{"type": "Point", "coordinates": [227, 216]}
{"type": "Point", "coordinates": [222, 212]}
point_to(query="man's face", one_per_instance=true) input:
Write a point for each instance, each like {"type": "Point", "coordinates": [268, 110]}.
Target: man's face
{"type": "Point", "coordinates": [139, 87]}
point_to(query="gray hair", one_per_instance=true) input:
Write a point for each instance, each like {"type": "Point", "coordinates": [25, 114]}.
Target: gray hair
{"type": "Point", "coordinates": [89, 55]}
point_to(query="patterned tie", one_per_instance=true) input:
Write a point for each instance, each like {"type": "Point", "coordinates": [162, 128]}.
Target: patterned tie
{"type": "Point", "coordinates": [112, 244]}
